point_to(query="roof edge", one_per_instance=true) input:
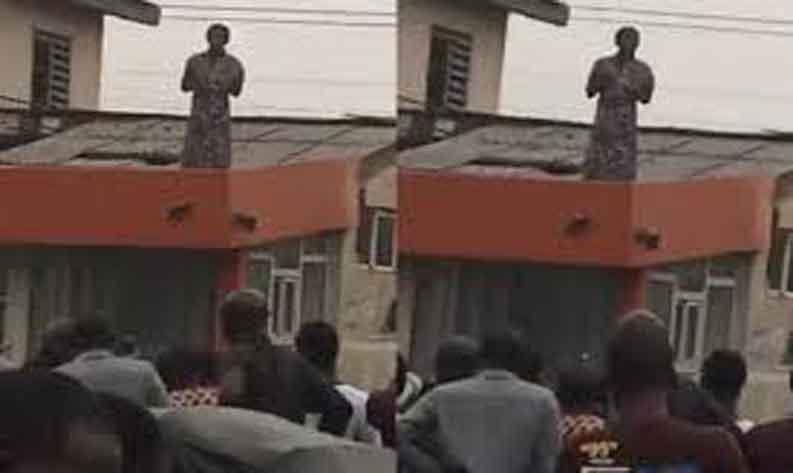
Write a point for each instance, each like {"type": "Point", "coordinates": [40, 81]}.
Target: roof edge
{"type": "Point", "coordinates": [138, 11]}
{"type": "Point", "coordinates": [487, 119]}
{"type": "Point", "coordinates": [548, 11]}
{"type": "Point", "coordinates": [361, 120]}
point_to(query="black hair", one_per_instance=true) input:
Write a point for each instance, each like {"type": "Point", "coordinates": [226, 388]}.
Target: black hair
{"type": "Point", "coordinates": [127, 345]}
{"type": "Point", "coordinates": [243, 315]}
{"type": "Point", "coordinates": [93, 333]}
{"type": "Point", "coordinates": [580, 386]}
{"type": "Point", "coordinates": [141, 439]}
{"type": "Point", "coordinates": [219, 27]}
{"type": "Point", "coordinates": [318, 342]}
{"type": "Point", "coordinates": [503, 349]}
{"type": "Point", "coordinates": [57, 345]}
{"type": "Point", "coordinates": [39, 412]}
{"type": "Point", "coordinates": [183, 368]}
{"type": "Point", "coordinates": [639, 357]}
{"type": "Point", "coordinates": [457, 358]}
{"type": "Point", "coordinates": [724, 374]}
{"type": "Point", "coordinates": [534, 366]}
{"type": "Point", "coordinates": [626, 30]}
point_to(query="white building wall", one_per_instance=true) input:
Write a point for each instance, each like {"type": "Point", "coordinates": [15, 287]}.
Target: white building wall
{"type": "Point", "coordinates": [486, 25]}
{"type": "Point", "coordinates": [19, 19]}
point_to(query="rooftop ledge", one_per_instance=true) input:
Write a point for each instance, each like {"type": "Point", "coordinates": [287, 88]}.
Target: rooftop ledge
{"type": "Point", "coordinates": [174, 208]}
{"type": "Point", "coordinates": [454, 215]}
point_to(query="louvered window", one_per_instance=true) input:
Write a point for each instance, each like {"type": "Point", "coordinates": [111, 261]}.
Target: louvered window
{"type": "Point", "coordinates": [449, 70]}
{"type": "Point", "coordinates": [51, 70]}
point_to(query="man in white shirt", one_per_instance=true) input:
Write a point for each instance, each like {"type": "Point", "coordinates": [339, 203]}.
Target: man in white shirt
{"type": "Point", "coordinates": [318, 342]}
{"type": "Point", "coordinates": [100, 370]}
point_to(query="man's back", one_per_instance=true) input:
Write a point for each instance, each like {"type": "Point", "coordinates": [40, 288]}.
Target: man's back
{"type": "Point", "coordinates": [661, 443]}
{"type": "Point", "coordinates": [278, 381]}
{"type": "Point", "coordinates": [492, 422]}
{"type": "Point", "coordinates": [135, 380]}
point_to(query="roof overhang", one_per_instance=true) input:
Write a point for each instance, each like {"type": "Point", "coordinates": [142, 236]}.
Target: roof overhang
{"type": "Point", "coordinates": [138, 11]}
{"type": "Point", "coordinates": [548, 11]}
{"type": "Point", "coordinates": [453, 215]}
{"type": "Point", "coordinates": [175, 208]}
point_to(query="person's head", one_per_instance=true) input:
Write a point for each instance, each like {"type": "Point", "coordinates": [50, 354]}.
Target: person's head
{"type": "Point", "coordinates": [457, 358]}
{"type": "Point", "coordinates": [218, 36]}
{"type": "Point", "coordinates": [57, 344]}
{"type": "Point", "coordinates": [142, 443]}
{"type": "Point", "coordinates": [243, 316]}
{"type": "Point", "coordinates": [724, 375]}
{"type": "Point", "coordinates": [503, 349]}
{"type": "Point", "coordinates": [93, 333]}
{"type": "Point", "coordinates": [627, 40]}
{"type": "Point", "coordinates": [534, 366]}
{"type": "Point", "coordinates": [184, 368]}
{"type": "Point", "coordinates": [579, 387]}
{"type": "Point", "coordinates": [128, 346]}
{"type": "Point", "coordinates": [640, 358]}
{"type": "Point", "coordinates": [318, 343]}
{"type": "Point", "coordinates": [52, 424]}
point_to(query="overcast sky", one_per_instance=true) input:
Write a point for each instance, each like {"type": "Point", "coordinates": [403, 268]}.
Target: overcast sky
{"type": "Point", "coordinates": [705, 79]}
{"type": "Point", "coordinates": [292, 69]}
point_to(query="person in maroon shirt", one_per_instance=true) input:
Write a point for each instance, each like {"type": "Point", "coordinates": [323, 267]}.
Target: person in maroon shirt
{"type": "Point", "coordinates": [768, 447]}
{"type": "Point", "coordinates": [645, 438]}
{"type": "Point", "coordinates": [381, 407]}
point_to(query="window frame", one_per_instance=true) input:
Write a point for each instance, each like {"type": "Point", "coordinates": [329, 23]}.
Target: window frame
{"type": "Point", "coordinates": [293, 275]}
{"type": "Point", "coordinates": [693, 299]}
{"type": "Point", "coordinates": [373, 244]}
{"type": "Point", "coordinates": [462, 40]}
{"type": "Point", "coordinates": [53, 40]}
{"type": "Point", "coordinates": [786, 268]}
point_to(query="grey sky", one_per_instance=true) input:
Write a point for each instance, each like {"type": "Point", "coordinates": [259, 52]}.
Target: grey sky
{"type": "Point", "coordinates": [705, 79]}
{"type": "Point", "coordinates": [292, 70]}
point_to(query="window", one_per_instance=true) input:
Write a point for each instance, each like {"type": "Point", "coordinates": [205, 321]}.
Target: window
{"type": "Point", "coordinates": [721, 304]}
{"type": "Point", "coordinates": [293, 275]}
{"type": "Point", "coordinates": [51, 70]}
{"type": "Point", "coordinates": [285, 316]}
{"type": "Point", "coordinates": [688, 330]}
{"type": "Point", "coordinates": [259, 270]}
{"type": "Point", "coordinates": [449, 70]}
{"type": "Point", "coordinates": [701, 320]}
{"type": "Point", "coordinates": [780, 276]}
{"type": "Point", "coordinates": [383, 250]}
{"type": "Point", "coordinates": [660, 297]}
{"type": "Point", "coordinates": [314, 290]}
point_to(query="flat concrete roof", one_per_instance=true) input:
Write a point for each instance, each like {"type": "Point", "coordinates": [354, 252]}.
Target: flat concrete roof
{"type": "Point", "coordinates": [548, 150]}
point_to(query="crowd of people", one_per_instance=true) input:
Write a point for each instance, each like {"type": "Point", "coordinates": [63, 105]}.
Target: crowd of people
{"type": "Point", "coordinates": [88, 403]}
{"type": "Point", "coordinates": [493, 408]}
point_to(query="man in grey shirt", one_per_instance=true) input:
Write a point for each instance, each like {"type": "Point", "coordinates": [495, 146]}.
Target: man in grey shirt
{"type": "Point", "coordinates": [101, 370]}
{"type": "Point", "coordinates": [492, 422]}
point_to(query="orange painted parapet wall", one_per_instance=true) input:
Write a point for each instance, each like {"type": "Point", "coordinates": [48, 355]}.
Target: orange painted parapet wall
{"type": "Point", "coordinates": [463, 216]}
{"type": "Point", "coordinates": [90, 206]}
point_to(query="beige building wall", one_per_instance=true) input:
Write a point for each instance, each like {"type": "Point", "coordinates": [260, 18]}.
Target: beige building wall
{"type": "Point", "coordinates": [767, 393]}
{"type": "Point", "coordinates": [19, 19]}
{"type": "Point", "coordinates": [486, 25]}
{"type": "Point", "coordinates": [366, 294]}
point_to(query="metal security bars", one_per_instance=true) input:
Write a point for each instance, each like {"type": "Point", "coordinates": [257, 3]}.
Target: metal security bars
{"type": "Point", "coordinates": [51, 70]}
